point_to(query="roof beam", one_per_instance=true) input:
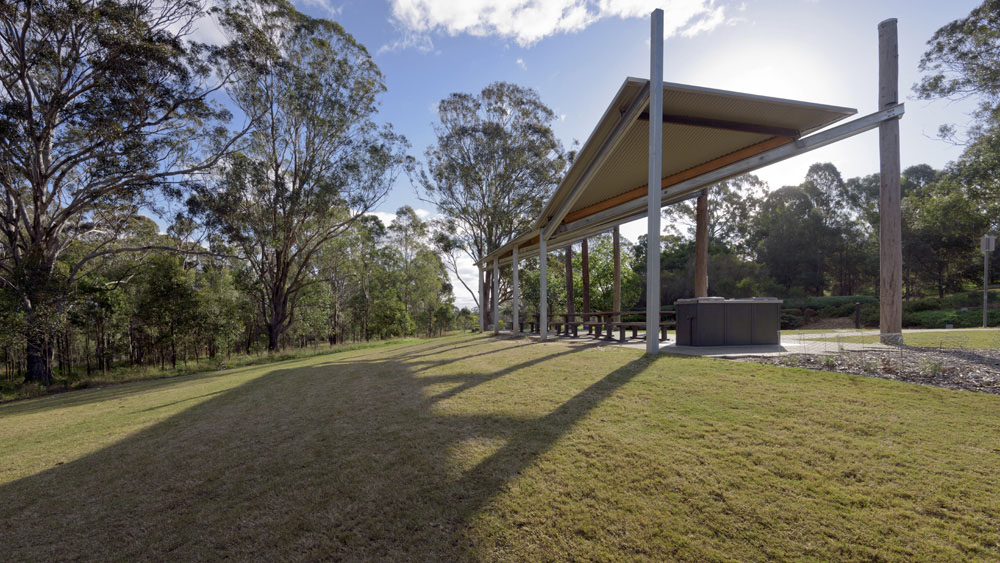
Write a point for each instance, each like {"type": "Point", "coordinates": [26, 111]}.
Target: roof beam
{"type": "Point", "coordinates": [625, 119]}
{"type": "Point", "coordinates": [692, 172]}
{"type": "Point", "coordinates": [727, 125]}
{"type": "Point", "coordinates": [606, 218]}
{"type": "Point", "coordinates": [634, 209]}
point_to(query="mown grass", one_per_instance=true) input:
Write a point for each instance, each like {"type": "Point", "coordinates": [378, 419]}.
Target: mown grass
{"type": "Point", "coordinates": [473, 448]}
{"type": "Point", "coordinates": [10, 391]}
{"type": "Point", "coordinates": [815, 330]}
{"type": "Point", "coordinates": [977, 339]}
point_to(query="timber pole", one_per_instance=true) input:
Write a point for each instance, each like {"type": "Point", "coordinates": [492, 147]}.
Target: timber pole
{"type": "Point", "coordinates": [543, 297]}
{"type": "Point", "coordinates": [701, 246]}
{"type": "Point", "coordinates": [653, 179]}
{"type": "Point", "coordinates": [890, 214]}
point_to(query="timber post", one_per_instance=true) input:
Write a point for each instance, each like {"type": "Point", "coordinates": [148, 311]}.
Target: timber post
{"type": "Point", "coordinates": [890, 214]}
{"type": "Point", "coordinates": [701, 246]}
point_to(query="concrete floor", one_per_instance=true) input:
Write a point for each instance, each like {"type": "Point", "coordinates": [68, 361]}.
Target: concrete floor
{"type": "Point", "coordinates": [802, 343]}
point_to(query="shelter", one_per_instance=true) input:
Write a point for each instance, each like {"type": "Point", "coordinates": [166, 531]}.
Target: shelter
{"type": "Point", "coordinates": [703, 136]}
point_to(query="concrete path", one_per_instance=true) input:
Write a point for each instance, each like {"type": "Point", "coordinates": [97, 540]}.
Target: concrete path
{"type": "Point", "coordinates": [832, 342]}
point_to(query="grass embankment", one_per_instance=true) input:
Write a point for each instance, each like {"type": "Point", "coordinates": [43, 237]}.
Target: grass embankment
{"type": "Point", "coordinates": [477, 448]}
{"type": "Point", "coordinates": [976, 339]}
{"type": "Point", "coordinates": [79, 379]}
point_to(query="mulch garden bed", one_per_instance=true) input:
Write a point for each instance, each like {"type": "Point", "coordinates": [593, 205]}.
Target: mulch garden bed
{"type": "Point", "coordinates": [967, 369]}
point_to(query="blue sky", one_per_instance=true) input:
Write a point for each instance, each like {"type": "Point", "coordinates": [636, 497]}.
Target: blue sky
{"type": "Point", "coordinates": [575, 54]}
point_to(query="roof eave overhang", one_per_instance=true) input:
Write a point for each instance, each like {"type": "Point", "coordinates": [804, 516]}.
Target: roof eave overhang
{"type": "Point", "coordinates": [678, 188]}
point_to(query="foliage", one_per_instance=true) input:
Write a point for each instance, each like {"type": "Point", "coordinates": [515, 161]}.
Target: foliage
{"type": "Point", "coordinates": [963, 60]}
{"type": "Point", "coordinates": [825, 301]}
{"type": "Point", "coordinates": [315, 160]}
{"type": "Point", "coordinates": [969, 318]}
{"type": "Point", "coordinates": [101, 103]}
{"type": "Point", "coordinates": [729, 204]}
{"type": "Point", "coordinates": [494, 161]}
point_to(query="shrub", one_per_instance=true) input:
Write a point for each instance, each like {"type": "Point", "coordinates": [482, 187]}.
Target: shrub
{"type": "Point", "coordinates": [870, 315]}
{"type": "Point", "coordinates": [966, 299]}
{"type": "Point", "coordinates": [959, 319]}
{"type": "Point", "coordinates": [828, 301]}
{"type": "Point", "coordinates": [789, 321]}
{"type": "Point", "coordinates": [918, 305]}
{"type": "Point", "coordinates": [837, 311]}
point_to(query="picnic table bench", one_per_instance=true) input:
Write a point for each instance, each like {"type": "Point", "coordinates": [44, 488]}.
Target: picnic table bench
{"type": "Point", "coordinates": [602, 322]}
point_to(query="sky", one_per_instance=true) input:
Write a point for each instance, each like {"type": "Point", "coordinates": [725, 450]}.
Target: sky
{"type": "Point", "coordinates": [576, 53]}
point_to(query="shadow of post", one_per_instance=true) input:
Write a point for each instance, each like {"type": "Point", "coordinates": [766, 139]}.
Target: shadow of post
{"type": "Point", "coordinates": [348, 459]}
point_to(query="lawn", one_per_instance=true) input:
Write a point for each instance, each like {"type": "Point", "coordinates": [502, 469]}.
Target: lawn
{"type": "Point", "coordinates": [978, 339]}
{"type": "Point", "coordinates": [473, 448]}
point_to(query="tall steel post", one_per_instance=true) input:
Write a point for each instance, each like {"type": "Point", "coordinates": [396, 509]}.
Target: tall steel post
{"type": "Point", "coordinates": [543, 297]}
{"type": "Point", "coordinates": [653, 181]}
{"type": "Point", "coordinates": [516, 326]}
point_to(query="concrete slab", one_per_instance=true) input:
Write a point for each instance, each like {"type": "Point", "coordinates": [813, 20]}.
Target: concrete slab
{"type": "Point", "coordinates": [832, 342]}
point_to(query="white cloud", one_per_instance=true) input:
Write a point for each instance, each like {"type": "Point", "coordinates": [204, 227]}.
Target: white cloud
{"type": "Point", "coordinates": [423, 214]}
{"type": "Point", "coordinates": [408, 39]}
{"type": "Point", "coordinates": [528, 21]}
{"type": "Point", "coordinates": [324, 5]}
{"type": "Point", "coordinates": [520, 63]}
{"type": "Point", "coordinates": [705, 22]}
{"type": "Point", "coordinates": [385, 217]}
{"type": "Point", "coordinates": [204, 29]}
{"type": "Point", "coordinates": [469, 273]}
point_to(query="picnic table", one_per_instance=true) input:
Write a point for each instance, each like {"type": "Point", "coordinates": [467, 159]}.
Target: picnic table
{"type": "Point", "coordinates": [603, 321]}
{"type": "Point", "coordinates": [561, 326]}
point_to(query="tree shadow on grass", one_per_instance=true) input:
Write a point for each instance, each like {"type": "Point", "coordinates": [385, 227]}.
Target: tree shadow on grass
{"type": "Point", "coordinates": [126, 388]}
{"type": "Point", "coordinates": [110, 391]}
{"type": "Point", "coordinates": [351, 459]}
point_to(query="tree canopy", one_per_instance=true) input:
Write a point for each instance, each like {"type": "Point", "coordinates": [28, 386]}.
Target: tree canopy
{"type": "Point", "coordinates": [493, 164]}
{"type": "Point", "coordinates": [101, 103]}
{"type": "Point", "coordinates": [315, 160]}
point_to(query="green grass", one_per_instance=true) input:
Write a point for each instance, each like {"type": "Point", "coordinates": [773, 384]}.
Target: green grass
{"type": "Point", "coordinates": [10, 391]}
{"type": "Point", "coordinates": [815, 330]}
{"type": "Point", "coordinates": [978, 339]}
{"type": "Point", "coordinates": [473, 448]}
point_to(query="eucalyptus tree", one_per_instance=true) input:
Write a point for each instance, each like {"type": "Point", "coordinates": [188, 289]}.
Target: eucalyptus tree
{"type": "Point", "coordinates": [962, 62]}
{"type": "Point", "coordinates": [408, 234]}
{"type": "Point", "coordinates": [730, 203]}
{"type": "Point", "coordinates": [493, 164]}
{"type": "Point", "coordinates": [101, 102]}
{"type": "Point", "coordinates": [315, 160]}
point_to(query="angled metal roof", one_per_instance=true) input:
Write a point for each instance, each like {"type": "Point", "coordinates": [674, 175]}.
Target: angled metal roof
{"type": "Point", "coordinates": [704, 130]}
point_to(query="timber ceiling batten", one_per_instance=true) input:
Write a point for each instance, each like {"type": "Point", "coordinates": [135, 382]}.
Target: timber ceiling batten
{"type": "Point", "coordinates": [708, 135]}
{"type": "Point", "coordinates": [679, 177]}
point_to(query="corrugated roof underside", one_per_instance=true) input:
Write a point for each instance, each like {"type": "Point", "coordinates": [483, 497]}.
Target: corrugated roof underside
{"type": "Point", "coordinates": [684, 147]}
{"type": "Point", "coordinates": [746, 108]}
{"type": "Point", "coordinates": [589, 150]}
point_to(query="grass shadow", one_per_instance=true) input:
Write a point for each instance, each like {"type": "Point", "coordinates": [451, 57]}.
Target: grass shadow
{"type": "Point", "coordinates": [350, 459]}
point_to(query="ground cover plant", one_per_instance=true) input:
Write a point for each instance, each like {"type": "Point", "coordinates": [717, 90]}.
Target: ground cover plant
{"type": "Point", "coordinates": [471, 448]}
